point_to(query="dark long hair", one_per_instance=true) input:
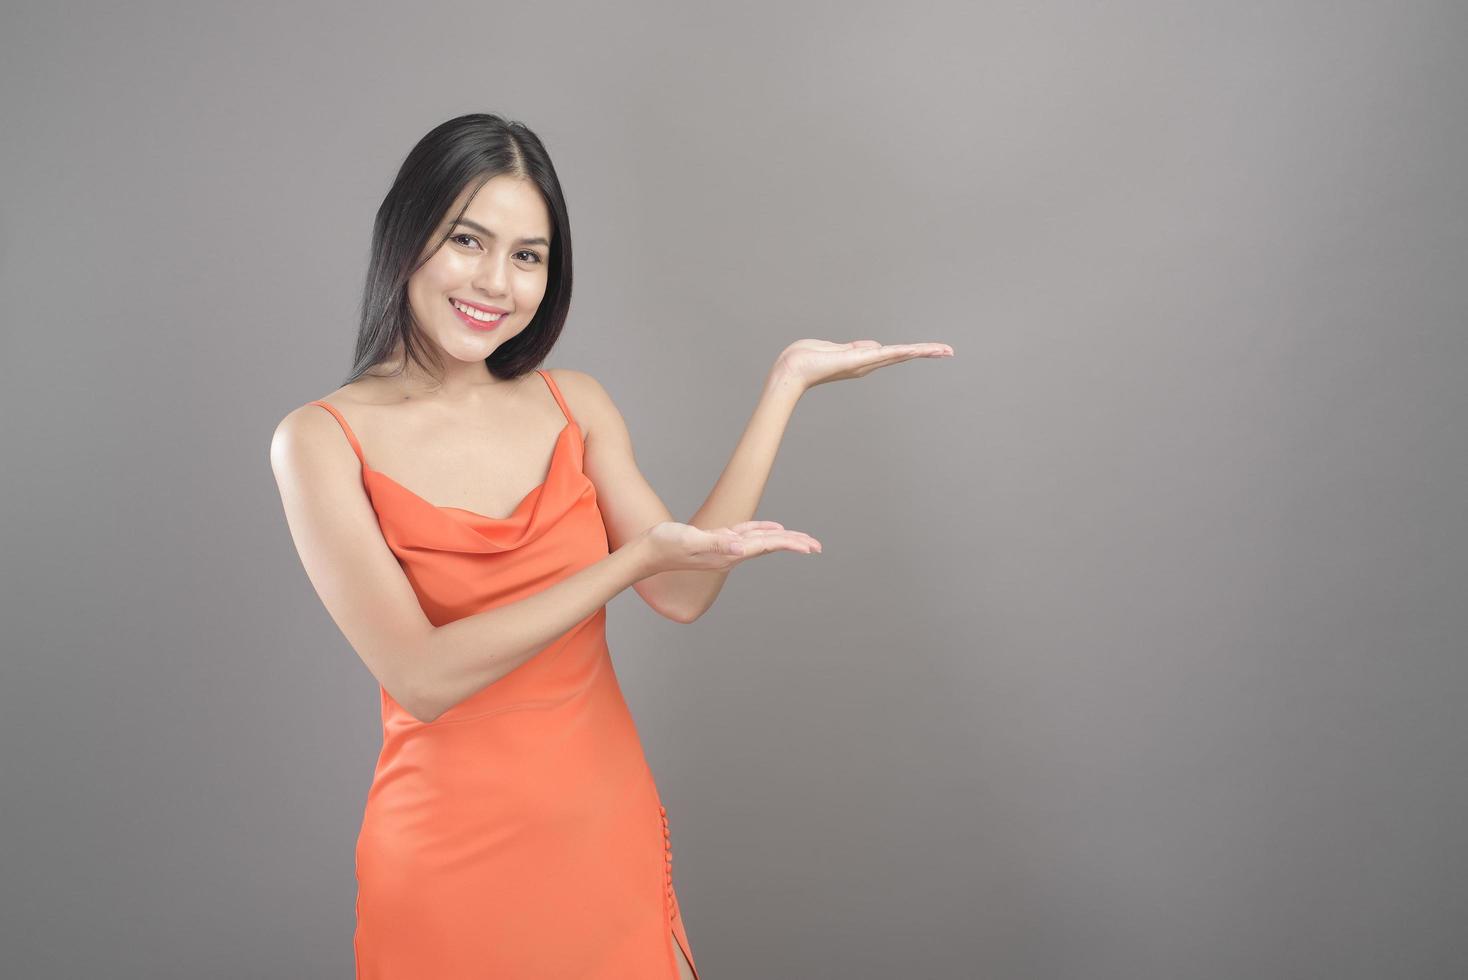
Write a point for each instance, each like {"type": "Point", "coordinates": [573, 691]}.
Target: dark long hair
{"type": "Point", "coordinates": [468, 150]}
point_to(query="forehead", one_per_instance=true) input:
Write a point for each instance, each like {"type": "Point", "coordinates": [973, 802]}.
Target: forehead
{"type": "Point", "coordinates": [511, 207]}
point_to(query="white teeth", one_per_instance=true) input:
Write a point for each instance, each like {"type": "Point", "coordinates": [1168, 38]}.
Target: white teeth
{"type": "Point", "coordinates": [476, 314]}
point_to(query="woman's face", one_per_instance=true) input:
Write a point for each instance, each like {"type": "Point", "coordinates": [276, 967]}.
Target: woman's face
{"type": "Point", "coordinates": [496, 257]}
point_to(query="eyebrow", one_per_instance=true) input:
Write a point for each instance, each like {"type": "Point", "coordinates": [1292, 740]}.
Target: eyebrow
{"type": "Point", "coordinates": [489, 234]}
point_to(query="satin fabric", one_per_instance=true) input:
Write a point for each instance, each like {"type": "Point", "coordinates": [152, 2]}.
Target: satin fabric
{"type": "Point", "coordinates": [520, 834]}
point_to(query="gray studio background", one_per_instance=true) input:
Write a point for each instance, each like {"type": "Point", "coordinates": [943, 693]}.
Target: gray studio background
{"type": "Point", "coordinates": [1137, 646]}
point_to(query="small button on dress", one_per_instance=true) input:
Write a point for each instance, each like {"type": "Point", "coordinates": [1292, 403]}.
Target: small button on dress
{"type": "Point", "coordinates": [512, 836]}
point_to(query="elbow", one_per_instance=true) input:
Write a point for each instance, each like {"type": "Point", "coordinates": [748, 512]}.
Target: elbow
{"type": "Point", "coordinates": [664, 606]}
{"type": "Point", "coordinates": [423, 711]}
{"type": "Point", "coordinates": [424, 715]}
{"type": "Point", "coordinates": [419, 698]}
{"type": "Point", "coordinates": [684, 616]}
{"type": "Point", "coordinates": [422, 707]}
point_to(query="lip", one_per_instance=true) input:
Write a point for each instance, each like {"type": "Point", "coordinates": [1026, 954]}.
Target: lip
{"type": "Point", "coordinates": [472, 323]}
{"type": "Point", "coordinates": [478, 306]}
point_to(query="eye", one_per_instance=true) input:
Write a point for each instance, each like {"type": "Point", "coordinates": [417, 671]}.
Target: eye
{"type": "Point", "coordinates": [534, 256]}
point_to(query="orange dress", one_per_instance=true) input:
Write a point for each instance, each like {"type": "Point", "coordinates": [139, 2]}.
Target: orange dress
{"type": "Point", "coordinates": [520, 834]}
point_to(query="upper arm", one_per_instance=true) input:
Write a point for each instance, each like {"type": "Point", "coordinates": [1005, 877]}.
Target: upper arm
{"type": "Point", "coordinates": [342, 548]}
{"type": "Point", "coordinates": [629, 505]}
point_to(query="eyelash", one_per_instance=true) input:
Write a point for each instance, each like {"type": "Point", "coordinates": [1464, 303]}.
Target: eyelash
{"type": "Point", "coordinates": [525, 251]}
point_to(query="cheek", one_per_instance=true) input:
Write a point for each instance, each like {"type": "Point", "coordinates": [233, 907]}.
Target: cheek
{"type": "Point", "coordinates": [443, 272]}
{"type": "Point", "coordinates": [530, 291]}
{"type": "Point", "coordinates": [455, 275]}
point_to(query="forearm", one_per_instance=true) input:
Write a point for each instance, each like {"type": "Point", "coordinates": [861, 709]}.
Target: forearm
{"type": "Point", "coordinates": [733, 498]}
{"type": "Point", "coordinates": [463, 657]}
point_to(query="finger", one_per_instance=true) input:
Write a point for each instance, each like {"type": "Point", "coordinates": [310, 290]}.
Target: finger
{"type": "Point", "coordinates": [877, 359]}
{"type": "Point", "coordinates": [891, 353]}
{"type": "Point", "coordinates": [767, 542]}
{"type": "Point", "coordinates": [790, 535]}
{"type": "Point", "coordinates": [758, 526]}
{"type": "Point", "coordinates": [930, 348]}
{"type": "Point", "coordinates": [898, 353]}
{"type": "Point", "coordinates": [800, 541]}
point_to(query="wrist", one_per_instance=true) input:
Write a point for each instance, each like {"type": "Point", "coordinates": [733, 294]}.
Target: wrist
{"type": "Point", "coordinates": [639, 556]}
{"type": "Point", "coordinates": [782, 382]}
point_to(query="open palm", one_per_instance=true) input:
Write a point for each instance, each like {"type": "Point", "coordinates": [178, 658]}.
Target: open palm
{"type": "Point", "coordinates": [813, 362]}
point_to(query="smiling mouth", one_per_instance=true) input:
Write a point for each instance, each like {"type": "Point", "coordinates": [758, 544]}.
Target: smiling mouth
{"type": "Point", "coordinates": [477, 317]}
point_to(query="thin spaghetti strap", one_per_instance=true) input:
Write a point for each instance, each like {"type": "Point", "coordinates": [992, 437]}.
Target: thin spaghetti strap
{"type": "Point", "coordinates": [557, 392]}
{"type": "Point", "coordinates": [347, 429]}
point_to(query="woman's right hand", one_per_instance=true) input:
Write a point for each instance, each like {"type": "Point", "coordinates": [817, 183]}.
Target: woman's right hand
{"type": "Point", "coordinates": [682, 547]}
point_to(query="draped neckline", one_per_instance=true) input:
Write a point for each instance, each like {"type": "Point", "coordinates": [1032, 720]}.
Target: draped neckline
{"type": "Point", "coordinates": [561, 443]}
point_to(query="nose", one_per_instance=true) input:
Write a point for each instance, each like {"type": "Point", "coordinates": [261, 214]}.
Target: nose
{"type": "Point", "coordinates": [491, 276]}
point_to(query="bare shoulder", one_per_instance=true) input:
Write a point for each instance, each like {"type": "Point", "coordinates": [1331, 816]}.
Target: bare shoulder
{"type": "Point", "coordinates": [309, 431]}
{"type": "Point", "coordinates": [587, 399]}
{"type": "Point", "coordinates": [304, 429]}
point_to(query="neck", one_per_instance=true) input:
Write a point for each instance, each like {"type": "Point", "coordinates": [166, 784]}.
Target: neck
{"type": "Point", "coordinates": [459, 380]}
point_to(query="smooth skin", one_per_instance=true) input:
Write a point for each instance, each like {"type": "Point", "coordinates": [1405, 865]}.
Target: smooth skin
{"type": "Point", "coordinates": [469, 440]}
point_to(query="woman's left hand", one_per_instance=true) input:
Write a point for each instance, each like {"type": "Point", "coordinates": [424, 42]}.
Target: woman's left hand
{"type": "Point", "coordinates": [807, 363]}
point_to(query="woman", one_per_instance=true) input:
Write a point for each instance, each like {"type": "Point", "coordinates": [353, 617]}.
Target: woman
{"type": "Point", "coordinates": [512, 828]}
